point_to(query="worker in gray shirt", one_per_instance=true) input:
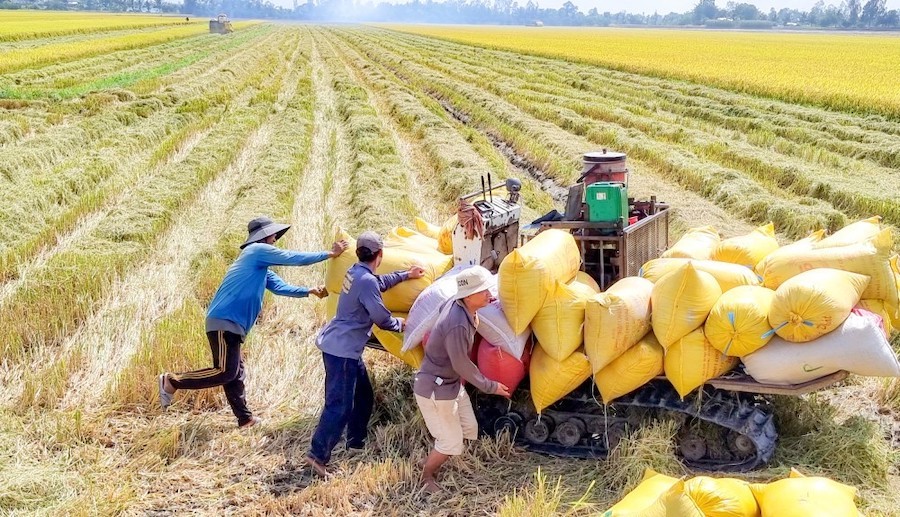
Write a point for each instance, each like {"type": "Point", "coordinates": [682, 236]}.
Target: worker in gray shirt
{"type": "Point", "coordinates": [348, 391]}
{"type": "Point", "coordinates": [444, 403]}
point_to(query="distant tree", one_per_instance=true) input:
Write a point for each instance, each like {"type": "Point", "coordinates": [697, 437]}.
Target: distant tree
{"type": "Point", "coordinates": [705, 10]}
{"type": "Point", "coordinates": [745, 11]}
{"type": "Point", "coordinates": [853, 8]}
{"type": "Point", "coordinates": [872, 12]}
{"type": "Point", "coordinates": [890, 19]}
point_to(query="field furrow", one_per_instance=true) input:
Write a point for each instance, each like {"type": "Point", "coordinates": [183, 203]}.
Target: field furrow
{"type": "Point", "coordinates": [71, 188]}
{"type": "Point", "coordinates": [743, 179]}
{"type": "Point", "coordinates": [547, 146]}
{"type": "Point", "coordinates": [77, 278]}
{"type": "Point", "coordinates": [135, 149]}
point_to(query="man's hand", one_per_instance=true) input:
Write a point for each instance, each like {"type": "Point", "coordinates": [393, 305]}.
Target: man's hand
{"type": "Point", "coordinates": [320, 292]}
{"type": "Point", "coordinates": [337, 248]}
{"type": "Point", "coordinates": [502, 390]}
{"type": "Point", "coordinates": [402, 324]}
{"type": "Point", "coordinates": [416, 272]}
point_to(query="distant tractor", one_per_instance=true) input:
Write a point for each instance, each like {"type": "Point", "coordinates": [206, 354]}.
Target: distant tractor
{"type": "Point", "coordinates": [221, 25]}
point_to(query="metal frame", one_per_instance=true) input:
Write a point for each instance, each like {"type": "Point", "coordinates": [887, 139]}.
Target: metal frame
{"type": "Point", "coordinates": [650, 234]}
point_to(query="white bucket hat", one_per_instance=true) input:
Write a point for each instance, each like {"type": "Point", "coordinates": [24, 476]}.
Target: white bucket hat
{"type": "Point", "coordinates": [472, 280]}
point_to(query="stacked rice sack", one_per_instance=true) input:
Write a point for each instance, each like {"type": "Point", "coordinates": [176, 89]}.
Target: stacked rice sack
{"type": "Point", "coordinates": [791, 313]}
{"type": "Point", "coordinates": [403, 248]}
{"type": "Point", "coordinates": [795, 496]}
{"type": "Point", "coordinates": [811, 311]}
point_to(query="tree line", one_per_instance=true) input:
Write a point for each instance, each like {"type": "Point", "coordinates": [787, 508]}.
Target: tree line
{"type": "Point", "coordinates": [849, 14]}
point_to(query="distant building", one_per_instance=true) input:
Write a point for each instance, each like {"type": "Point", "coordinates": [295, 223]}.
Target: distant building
{"type": "Point", "coordinates": [536, 23]}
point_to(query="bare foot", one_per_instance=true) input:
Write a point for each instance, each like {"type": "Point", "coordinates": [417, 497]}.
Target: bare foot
{"type": "Point", "coordinates": [318, 468]}
{"type": "Point", "coordinates": [167, 384]}
{"type": "Point", "coordinates": [431, 487]}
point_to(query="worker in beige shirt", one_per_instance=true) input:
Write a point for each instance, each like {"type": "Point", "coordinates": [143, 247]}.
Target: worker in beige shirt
{"type": "Point", "coordinates": [444, 403]}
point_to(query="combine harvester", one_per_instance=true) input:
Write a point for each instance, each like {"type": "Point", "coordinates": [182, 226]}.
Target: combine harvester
{"type": "Point", "coordinates": [727, 424]}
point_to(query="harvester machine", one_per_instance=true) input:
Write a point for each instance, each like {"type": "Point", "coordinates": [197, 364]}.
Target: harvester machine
{"type": "Point", "coordinates": [726, 425]}
{"type": "Point", "coordinates": [221, 25]}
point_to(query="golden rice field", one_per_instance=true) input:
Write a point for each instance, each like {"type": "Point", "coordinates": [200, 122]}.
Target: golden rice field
{"type": "Point", "coordinates": [22, 24]}
{"type": "Point", "coordinates": [127, 176]}
{"type": "Point", "coordinates": [840, 71]}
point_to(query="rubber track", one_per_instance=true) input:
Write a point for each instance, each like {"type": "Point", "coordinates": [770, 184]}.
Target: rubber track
{"type": "Point", "coordinates": [721, 408]}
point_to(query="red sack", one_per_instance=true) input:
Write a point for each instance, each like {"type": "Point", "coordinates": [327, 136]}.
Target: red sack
{"type": "Point", "coordinates": [500, 366]}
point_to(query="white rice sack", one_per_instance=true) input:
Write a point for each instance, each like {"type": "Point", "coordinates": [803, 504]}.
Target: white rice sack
{"type": "Point", "coordinates": [858, 346]}
{"type": "Point", "coordinates": [425, 310]}
{"type": "Point", "coordinates": [494, 328]}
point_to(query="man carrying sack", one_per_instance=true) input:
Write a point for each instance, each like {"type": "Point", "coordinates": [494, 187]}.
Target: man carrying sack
{"type": "Point", "coordinates": [348, 391]}
{"type": "Point", "coordinates": [234, 310]}
{"type": "Point", "coordinates": [441, 398]}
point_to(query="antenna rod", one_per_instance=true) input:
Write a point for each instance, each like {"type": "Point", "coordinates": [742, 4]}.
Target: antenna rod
{"type": "Point", "coordinates": [490, 188]}
{"type": "Point", "coordinates": [483, 196]}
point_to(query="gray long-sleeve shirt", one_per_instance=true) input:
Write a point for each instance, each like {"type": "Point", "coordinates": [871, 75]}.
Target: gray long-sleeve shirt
{"type": "Point", "coordinates": [447, 356]}
{"type": "Point", "coordinates": [359, 307]}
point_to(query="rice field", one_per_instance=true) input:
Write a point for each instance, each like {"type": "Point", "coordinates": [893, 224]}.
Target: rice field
{"type": "Point", "coordinates": [23, 24]}
{"type": "Point", "coordinates": [840, 71]}
{"type": "Point", "coordinates": [129, 172]}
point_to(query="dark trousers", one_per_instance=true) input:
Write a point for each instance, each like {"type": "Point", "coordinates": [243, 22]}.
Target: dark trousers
{"type": "Point", "coordinates": [227, 371]}
{"type": "Point", "coordinates": [348, 403]}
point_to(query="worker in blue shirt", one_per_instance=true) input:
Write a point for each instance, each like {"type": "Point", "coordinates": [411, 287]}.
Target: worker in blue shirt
{"type": "Point", "coordinates": [348, 391]}
{"type": "Point", "coordinates": [234, 310]}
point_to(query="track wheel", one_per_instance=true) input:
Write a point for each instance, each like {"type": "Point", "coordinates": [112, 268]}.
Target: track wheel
{"type": "Point", "coordinates": [740, 445]}
{"type": "Point", "coordinates": [692, 447]}
{"type": "Point", "coordinates": [508, 423]}
{"type": "Point", "coordinates": [569, 433]}
{"type": "Point", "coordinates": [613, 434]}
{"type": "Point", "coordinates": [539, 430]}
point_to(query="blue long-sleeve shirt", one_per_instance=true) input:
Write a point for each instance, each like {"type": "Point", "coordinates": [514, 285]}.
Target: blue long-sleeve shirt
{"type": "Point", "coordinates": [239, 297]}
{"type": "Point", "coordinates": [359, 307]}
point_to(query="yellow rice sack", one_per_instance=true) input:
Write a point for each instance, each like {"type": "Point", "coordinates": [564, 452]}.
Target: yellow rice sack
{"type": "Point", "coordinates": [681, 301]}
{"type": "Point", "coordinates": [558, 324]}
{"type": "Point", "coordinates": [801, 496]}
{"type": "Point", "coordinates": [870, 258]}
{"type": "Point", "coordinates": [583, 278]}
{"type": "Point", "coordinates": [738, 323]}
{"type": "Point", "coordinates": [445, 237]}
{"type": "Point", "coordinates": [878, 308]}
{"type": "Point", "coordinates": [728, 275]}
{"type": "Point", "coordinates": [696, 243]}
{"type": "Point", "coordinates": [530, 273]}
{"type": "Point", "coordinates": [801, 245]}
{"type": "Point", "coordinates": [814, 303]}
{"type": "Point", "coordinates": [407, 238]}
{"type": "Point", "coordinates": [748, 250]}
{"type": "Point", "coordinates": [393, 343]}
{"type": "Point", "coordinates": [854, 233]}
{"type": "Point", "coordinates": [893, 309]}
{"type": "Point", "coordinates": [616, 319]}
{"type": "Point", "coordinates": [692, 361]}
{"type": "Point", "coordinates": [721, 497]}
{"type": "Point", "coordinates": [331, 303]}
{"type": "Point", "coordinates": [652, 486]}
{"type": "Point", "coordinates": [427, 229]}
{"type": "Point", "coordinates": [552, 380]}
{"type": "Point", "coordinates": [702, 497]}
{"type": "Point", "coordinates": [400, 297]}
{"type": "Point", "coordinates": [631, 370]}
